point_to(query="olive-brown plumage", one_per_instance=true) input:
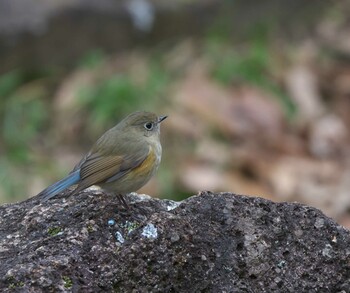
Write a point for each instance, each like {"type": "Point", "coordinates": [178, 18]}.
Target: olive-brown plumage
{"type": "Point", "coordinates": [121, 161]}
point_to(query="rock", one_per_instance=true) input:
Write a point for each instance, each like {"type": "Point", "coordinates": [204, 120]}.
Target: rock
{"type": "Point", "coordinates": [207, 243]}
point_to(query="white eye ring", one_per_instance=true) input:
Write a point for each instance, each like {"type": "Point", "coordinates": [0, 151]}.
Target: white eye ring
{"type": "Point", "coordinates": [148, 125]}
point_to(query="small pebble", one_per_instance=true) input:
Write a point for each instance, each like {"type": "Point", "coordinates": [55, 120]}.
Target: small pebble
{"type": "Point", "coordinates": [111, 222]}
{"type": "Point", "coordinates": [174, 237]}
{"type": "Point", "coordinates": [281, 264]}
{"type": "Point", "coordinates": [119, 237]}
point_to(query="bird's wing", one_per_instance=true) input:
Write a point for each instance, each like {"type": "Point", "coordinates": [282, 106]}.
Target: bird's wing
{"type": "Point", "coordinates": [98, 168]}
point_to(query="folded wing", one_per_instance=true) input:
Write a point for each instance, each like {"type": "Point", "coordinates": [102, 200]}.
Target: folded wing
{"type": "Point", "coordinates": [98, 168]}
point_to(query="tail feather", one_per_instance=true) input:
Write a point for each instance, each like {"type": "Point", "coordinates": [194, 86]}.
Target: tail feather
{"type": "Point", "coordinates": [59, 186]}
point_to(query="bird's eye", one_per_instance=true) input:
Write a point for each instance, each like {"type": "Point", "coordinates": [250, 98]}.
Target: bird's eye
{"type": "Point", "coordinates": [148, 125]}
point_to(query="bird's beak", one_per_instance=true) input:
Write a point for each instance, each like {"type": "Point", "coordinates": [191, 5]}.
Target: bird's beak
{"type": "Point", "coordinates": [161, 118]}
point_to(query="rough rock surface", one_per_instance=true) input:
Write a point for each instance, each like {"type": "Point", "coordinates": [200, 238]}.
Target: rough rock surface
{"type": "Point", "coordinates": [208, 243]}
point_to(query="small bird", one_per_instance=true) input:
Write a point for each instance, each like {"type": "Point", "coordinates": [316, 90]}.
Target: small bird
{"type": "Point", "coordinates": [122, 160]}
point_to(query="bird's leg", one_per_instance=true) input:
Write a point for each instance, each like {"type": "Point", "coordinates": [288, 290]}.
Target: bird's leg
{"type": "Point", "coordinates": [123, 201]}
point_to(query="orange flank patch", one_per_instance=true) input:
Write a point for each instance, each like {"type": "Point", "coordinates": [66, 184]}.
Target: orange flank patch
{"type": "Point", "coordinates": [147, 165]}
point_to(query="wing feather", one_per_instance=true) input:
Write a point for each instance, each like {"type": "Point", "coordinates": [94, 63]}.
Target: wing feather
{"type": "Point", "coordinates": [99, 168]}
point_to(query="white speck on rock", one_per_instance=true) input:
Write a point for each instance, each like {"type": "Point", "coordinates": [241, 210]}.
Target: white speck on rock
{"type": "Point", "coordinates": [119, 237]}
{"type": "Point", "coordinates": [327, 250]}
{"type": "Point", "coordinates": [150, 231]}
{"type": "Point", "coordinates": [319, 223]}
{"type": "Point", "coordinates": [171, 205]}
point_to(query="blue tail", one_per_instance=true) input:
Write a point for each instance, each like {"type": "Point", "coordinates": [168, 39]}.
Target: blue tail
{"type": "Point", "coordinates": [59, 186]}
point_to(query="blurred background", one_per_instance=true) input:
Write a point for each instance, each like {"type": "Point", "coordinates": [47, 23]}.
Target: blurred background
{"type": "Point", "coordinates": [257, 93]}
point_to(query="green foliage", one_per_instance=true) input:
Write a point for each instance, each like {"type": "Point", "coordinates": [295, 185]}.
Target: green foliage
{"type": "Point", "coordinates": [22, 116]}
{"type": "Point", "coordinates": [253, 65]}
{"type": "Point", "coordinates": [130, 226]}
{"type": "Point", "coordinates": [120, 94]}
{"type": "Point", "coordinates": [22, 120]}
{"type": "Point", "coordinates": [111, 98]}
{"type": "Point", "coordinates": [13, 283]}
{"type": "Point", "coordinates": [92, 59]}
{"type": "Point", "coordinates": [221, 29]}
{"type": "Point", "coordinates": [157, 81]}
{"type": "Point", "coordinates": [9, 82]}
{"type": "Point", "coordinates": [90, 228]}
{"type": "Point", "coordinates": [22, 111]}
{"type": "Point", "coordinates": [53, 231]}
{"type": "Point", "coordinates": [68, 283]}
{"type": "Point", "coordinates": [10, 183]}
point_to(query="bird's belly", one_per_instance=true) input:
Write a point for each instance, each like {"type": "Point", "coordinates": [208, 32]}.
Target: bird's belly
{"type": "Point", "coordinates": [137, 177]}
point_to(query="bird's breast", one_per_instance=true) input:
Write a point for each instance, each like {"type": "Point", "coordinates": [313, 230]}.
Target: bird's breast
{"type": "Point", "coordinates": [138, 176]}
{"type": "Point", "coordinates": [151, 163]}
